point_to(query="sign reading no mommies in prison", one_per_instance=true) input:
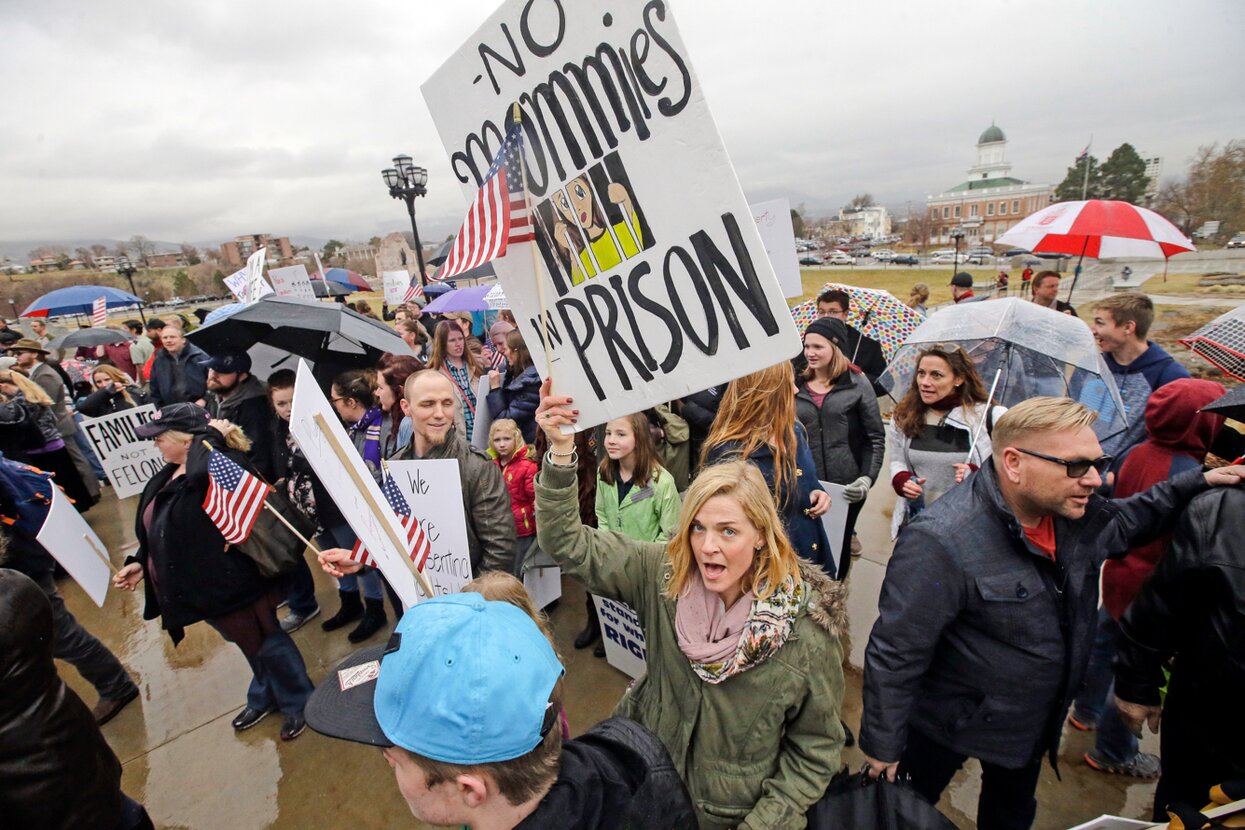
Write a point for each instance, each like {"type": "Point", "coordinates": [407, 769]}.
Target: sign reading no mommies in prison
{"type": "Point", "coordinates": [656, 280]}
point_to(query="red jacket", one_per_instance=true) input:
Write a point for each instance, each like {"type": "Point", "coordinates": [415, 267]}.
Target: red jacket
{"type": "Point", "coordinates": [520, 475]}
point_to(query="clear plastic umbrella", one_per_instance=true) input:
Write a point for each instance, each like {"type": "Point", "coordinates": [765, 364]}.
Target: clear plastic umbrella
{"type": "Point", "coordinates": [1021, 350]}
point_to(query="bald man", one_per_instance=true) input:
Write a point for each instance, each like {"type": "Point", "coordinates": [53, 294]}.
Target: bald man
{"type": "Point", "coordinates": [431, 403]}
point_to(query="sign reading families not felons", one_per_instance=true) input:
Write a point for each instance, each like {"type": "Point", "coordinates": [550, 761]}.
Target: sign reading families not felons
{"type": "Point", "coordinates": [128, 460]}
{"type": "Point", "coordinates": [655, 278]}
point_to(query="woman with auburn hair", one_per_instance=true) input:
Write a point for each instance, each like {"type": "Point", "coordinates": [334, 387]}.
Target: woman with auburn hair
{"type": "Point", "coordinates": [932, 429]}
{"type": "Point", "coordinates": [744, 678]}
{"type": "Point", "coordinates": [390, 384]}
{"type": "Point", "coordinates": [757, 421]}
{"type": "Point", "coordinates": [451, 357]}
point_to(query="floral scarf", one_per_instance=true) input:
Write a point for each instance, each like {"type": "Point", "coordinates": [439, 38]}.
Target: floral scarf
{"type": "Point", "coordinates": [768, 625]}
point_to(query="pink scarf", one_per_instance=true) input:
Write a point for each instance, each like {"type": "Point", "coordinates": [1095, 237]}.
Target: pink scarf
{"type": "Point", "coordinates": [708, 632]}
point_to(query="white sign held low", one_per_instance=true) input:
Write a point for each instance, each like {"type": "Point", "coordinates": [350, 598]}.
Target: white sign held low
{"type": "Point", "coordinates": [72, 542]}
{"type": "Point", "coordinates": [129, 461]}
{"type": "Point", "coordinates": [292, 282]}
{"type": "Point", "coordinates": [434, 491]}
{"type": "Point", "coordinates": [835, 520]}
{"type": "Point", "coordinates": [625, 646]}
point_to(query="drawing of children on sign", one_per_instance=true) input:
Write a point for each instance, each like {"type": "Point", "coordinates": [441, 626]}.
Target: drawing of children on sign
{"type": "Point", "coordinates": [595, 234]}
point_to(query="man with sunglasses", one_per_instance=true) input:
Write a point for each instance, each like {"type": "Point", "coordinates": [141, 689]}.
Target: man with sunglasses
{"type": "Point", "coordinates": [989, 608]}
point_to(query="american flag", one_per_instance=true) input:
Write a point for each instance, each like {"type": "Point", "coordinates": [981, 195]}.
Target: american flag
{"type": "Point", "coordinates": [417, 545]}
{"type": "Point", "coordinates": [497, 217]}
{"type": "Point", "coordinates": [99, 312]}
{"type": "Point", "coordinates": [496, 359]}
{"type": "Point", "coordinates": [234, 498]}
{"type": "Point", "coordinates": [414, 291]}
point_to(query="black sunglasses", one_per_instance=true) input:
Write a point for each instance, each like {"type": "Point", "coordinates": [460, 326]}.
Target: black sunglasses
{"type": "Point", "coordinates": [1078, 468]}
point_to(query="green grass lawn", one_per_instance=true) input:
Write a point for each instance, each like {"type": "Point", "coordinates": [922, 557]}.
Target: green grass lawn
{"type": "Point", "coordinates": [1188, 284]}
{"type": "Point", "coordinates": [898, 281]}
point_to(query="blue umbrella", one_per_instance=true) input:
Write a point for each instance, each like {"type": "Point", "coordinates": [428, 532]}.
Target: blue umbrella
{"type": "Point", "coordinates": [78, 299]}
{"type": "Point", "coordinates": [435, 289]}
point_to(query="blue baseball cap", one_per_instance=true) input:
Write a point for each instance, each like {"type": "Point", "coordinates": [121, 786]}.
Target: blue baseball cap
{"type": "Point", "coordinates": [462, 681]}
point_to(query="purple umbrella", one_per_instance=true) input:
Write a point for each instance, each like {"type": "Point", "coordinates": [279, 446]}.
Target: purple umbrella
{"type": "Point", "coordinates": [463, 299]}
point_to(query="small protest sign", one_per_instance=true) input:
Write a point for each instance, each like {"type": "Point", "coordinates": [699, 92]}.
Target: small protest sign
{"type": "Point", "coordinates": [484, 416]}
{"type": "Point", "coordinates": [72, 542]}
{"type": "Point", "coordinates": [625, 647]}
{"type": "Point", "coordinates": [435, 492]}
{"type": "Point", "coordinates": [653, 276]}
{"type": "Point", "coordinates": [236, 283]}
{"type": "Point", "coordinates": [543, 585]}
{"type": "Point", "coordinates": [396, 283]}
{"type": "Point", "coordinates": [128, 461]}
{"type": "Point", "coordinates": [255, 285]}
{"type": "Point", "coordinates": [341, 471]}
{"type": "Point", "coordinates": [835, 520]}
{"type": "Point", "coordinates": [292, 282]}
{"type": "Point", "coordinates": [773, 220]}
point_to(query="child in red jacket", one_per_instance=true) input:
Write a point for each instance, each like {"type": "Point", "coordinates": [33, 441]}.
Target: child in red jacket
{"type": "Point", "coordinates": [511, 455]}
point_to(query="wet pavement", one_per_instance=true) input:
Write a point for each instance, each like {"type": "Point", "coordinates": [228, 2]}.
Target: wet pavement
{"type": "Point", "coordinates": [185, 763]}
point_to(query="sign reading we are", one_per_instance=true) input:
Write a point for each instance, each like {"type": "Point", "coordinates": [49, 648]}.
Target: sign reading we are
{"type": "Point", "coordinates": [655, 277]}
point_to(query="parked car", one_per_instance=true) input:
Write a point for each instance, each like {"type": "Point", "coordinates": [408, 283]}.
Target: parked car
{"type": "Point", "coordinates": [1011, 252]}
{"type": "Point", "coordinates": [1237, 241]}
{"type": "Point", "coordinates": [840, 258]}
{"type": "Point", "coordinates": [905, 259]}
{"type": "Point", "coordinates": [811, 259]}
{"type": "Point", "coordinates": [979, 259]}
{"type": "Point", "coordinates": [943, 258]}
{"type": "Point", "coordinates": [883, 255]}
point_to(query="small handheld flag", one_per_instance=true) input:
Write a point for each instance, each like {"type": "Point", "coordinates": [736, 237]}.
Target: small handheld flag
{"type": "Point", "coordinates": [498, 215]}
{"type": "Point", "coordinates": [414, 291]}
{"type": "Point", "coordinates": [234, 497]}
{"type": "Point", "coordinates": [417, 545]}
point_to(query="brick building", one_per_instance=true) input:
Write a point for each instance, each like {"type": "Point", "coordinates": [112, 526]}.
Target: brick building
{"type": "Point", "coordinates": [236, 252]}
{"type": "Point", "coordinates": [990, 201]}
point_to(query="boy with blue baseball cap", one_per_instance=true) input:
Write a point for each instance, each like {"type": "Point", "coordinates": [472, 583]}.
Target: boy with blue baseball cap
{"type": "Point", "coordinates": [464, 700]}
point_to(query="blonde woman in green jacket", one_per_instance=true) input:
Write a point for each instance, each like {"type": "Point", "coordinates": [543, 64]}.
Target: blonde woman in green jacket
{"type": "Point", "coordinates": [744, 679]}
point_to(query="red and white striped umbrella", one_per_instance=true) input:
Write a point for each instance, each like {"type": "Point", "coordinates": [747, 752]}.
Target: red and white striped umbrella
{"type": "Point", "coordinates": [1099, 229]}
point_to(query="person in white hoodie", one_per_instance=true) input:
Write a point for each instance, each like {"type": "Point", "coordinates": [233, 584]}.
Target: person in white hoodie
{"type": "Point", "coordinates": [939, 432]}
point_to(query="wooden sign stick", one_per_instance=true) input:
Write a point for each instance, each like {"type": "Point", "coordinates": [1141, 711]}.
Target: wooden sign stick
{"type": "Point", "coordinates": [359, 484]}
{"type": "Point", "coordinates": [101, 554]}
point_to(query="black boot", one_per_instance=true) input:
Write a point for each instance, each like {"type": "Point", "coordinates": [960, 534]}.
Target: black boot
{"type": "Point", "coordinates": [351, 610]}
{"type": "Point", "coordinates": [374, 620]}
{"type": "Point", "coordinates": [592, 628]}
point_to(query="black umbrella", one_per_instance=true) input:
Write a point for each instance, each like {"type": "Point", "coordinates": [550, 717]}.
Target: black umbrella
{"type": "Point", "coordinates": [324, 288]}
{"type": "Point", "coordinates": [442, 253]}
{"type": "Point", "coordinates": [90, 337]}
{"type": "Point", "coordinates": [326, 333]}
{"type": "Point", "coordinates": [477, 273]}
{"type": "Point", "coordinates": [1231, 405]}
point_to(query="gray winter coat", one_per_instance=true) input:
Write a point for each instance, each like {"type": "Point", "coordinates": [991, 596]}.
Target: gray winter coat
{"type": "Point", "coordinates": [490, 524]}
{"type": "Point", "coordinates": [981, 640]}
{"type": "Point", "coordinates": [845, 434]}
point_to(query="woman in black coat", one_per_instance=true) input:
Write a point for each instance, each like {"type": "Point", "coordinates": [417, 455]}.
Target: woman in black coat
{"type": "Point", "coordinates": [516, 394]}
{"type": "Point", "coordinates": [193, 574]}
{"type": "Point", "coordinates": [114, 392]}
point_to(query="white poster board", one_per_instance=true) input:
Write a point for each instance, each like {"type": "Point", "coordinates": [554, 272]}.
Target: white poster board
{"type": "Point", "coordinates": [625, 647]}
{"type": "Point", "coordinates": [835, 521]}
{"type": "Point", "coordinates": [129, 461]}
{"type": "Point", "coordinates": [292, 282]}
{"type": "Point", "coordinates": [773, 221]}
{"type": "Point", "coordinates": [72, 542]}
{"type": "Point", "coordinates": [543, 585]}
{"type": "Point", "coordinates": [396, 283]}
{"type": "Point", "coordinates": [484, 417]}
{"type": "Point", "coordinates": [236, 283]}
{"type": "Point", "coordinates": [655, 279]}
{"type": "Point", "coordinates": [256, 287]}
{"type": "Point", "coordinates": [330, 453]}
{"type": "Point", "coordinates": [434, 490]}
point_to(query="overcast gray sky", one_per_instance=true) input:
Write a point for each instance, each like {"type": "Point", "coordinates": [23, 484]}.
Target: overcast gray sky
{"type": "Point", "coordinates": [201, 121]}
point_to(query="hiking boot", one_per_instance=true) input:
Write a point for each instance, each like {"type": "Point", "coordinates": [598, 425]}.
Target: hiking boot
{"type": "Point", "coordinates": [248, 717]}
{"type": "Point", "coordinates": [1144, 765]}
{"type": "Point", "coordinates": [351, 610]}
{"type": "Point", "coordinates": [109, 707]}
{"type": "Point", "coordinates": [586, 637]}
{"type": "Point", "coordinates": [374, 620]}
{"type": "Point", "coordinates": [293, 726]}
{"type": "Point", "coordinates": [1080, 723]}
{"type": "Point", "coordinates": [293, 622]}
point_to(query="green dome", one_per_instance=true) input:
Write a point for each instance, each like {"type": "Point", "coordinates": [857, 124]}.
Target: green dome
{"type": "Point", "coordinates": [991, 134]}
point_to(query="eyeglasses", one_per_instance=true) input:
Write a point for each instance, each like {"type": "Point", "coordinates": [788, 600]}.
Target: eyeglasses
{"type": "Point", "coordinates": [1076, 469]}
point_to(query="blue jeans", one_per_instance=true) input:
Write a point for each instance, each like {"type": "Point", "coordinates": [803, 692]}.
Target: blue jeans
{"type": "Point", "coordinates": [299, 589]}
{"type": "Point", "coordinates": [1096, 702]}
{"type": "Point", "coordinates": [341, 536]}
{"type": "Point", "coordinates": [278, 674]}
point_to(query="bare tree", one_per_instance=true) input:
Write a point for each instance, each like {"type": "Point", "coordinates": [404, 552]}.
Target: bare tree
{"type": "Point", "coordinates": [84, 254]}
{"type": "Point", "coordinates": [98, 250]}
{"type": "Point", "coordinates": [861, 200]}
{"type": "Point", "coordinates": [191, 254]}
{"type": "Point", "coordinates": [142, 246]}
{"type": "Point", "coordinates": [1213, 190]}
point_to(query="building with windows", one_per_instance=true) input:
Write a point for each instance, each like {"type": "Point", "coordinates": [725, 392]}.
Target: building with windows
{"type": "Point", "coordinates": [1154, 169]}
{"type": "Point", "coordinates": [990, 201]}
{"type": "Point", "coordinates": [873, 222]}
{"type": "Point", "coordinates": [236, 252]}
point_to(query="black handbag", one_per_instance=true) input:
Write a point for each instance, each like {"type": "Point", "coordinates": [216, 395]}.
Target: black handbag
{"type": "Point", "coordinates": [273, 547]}
{"type": "Point", "coordinates": [863, 803]}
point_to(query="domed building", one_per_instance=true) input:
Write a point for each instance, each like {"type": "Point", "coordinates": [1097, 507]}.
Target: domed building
{"type": "Point", "coordinates": [990, 201]}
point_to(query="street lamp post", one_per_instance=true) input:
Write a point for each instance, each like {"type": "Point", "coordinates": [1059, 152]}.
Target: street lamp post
{"type": "Point", "coordinates": [406, 182]}
{"type": "Point", "coordinates": [957, 234]}
{"type": "Point", "coordinates": [126, 269]}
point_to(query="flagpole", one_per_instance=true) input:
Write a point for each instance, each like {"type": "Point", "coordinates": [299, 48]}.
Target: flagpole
{"type": "Point", "coordinates": [540, 282]}
{"type": "Point", "coordinates": [1085, 186]}
{"type": "Point", "coordinates": [361, 486]}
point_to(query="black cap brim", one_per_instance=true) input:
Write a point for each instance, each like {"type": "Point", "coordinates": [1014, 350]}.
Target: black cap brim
{"type": "Point", "coordinates": [348, 714]}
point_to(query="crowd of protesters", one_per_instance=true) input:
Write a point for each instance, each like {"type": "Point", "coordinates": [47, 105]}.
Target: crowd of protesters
{"type": "Point", "coordinates": [704, 515]}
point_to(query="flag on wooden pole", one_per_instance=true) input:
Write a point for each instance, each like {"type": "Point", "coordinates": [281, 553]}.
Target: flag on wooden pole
{"type": "Point", "coordinates": [417, 545]}
{"type": "Point", "coordinates": [414, 291]}
{"type": "Point", "coordinates": [498, 215]}
{"type": "Point", "coordinates": [234, 497]}
{"type": "Point", "coordinates": [99, 312]}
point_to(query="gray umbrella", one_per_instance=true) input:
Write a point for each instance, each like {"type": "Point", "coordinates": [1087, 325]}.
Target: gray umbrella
{"type": "Point", "coordinates": [321, 332]}
{"type": "Point", "coordinates": [90, 337]}
{"type": "Point", "coordinates": [442, 253]}
{"type": "Point", "coordinates": [1231, 405]}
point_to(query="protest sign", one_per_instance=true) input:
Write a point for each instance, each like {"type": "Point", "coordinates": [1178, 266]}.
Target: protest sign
{"type": "Point", "coordinates": [72, 542]}
{"type": "Point", "coordinates": [434, 491]}
{"type": "Point", "coordinates": [236, 283]}
{"type": "Point", "coordinates": [484, 416]}
{"type": "Point", "coordinates": [255, 285]}
{"type": "Point", "coordinates": [654, 277]}
{"type": "Point", "coordinates": [292, 282]}
{"type": "Point", "coordinates": [835, 520]}
{"type": "Point", "coordinates": [341, 471]}
{"type": "Point", "coordinates": [773, 221]}
{"type": "Point", "coordinates": [543, 585]}
{"type": "Point", "coordinates": [625, 648]}
{"type": "Point", "coordinates": [396, 283]}
{"type": "Point", "coordinates": [128, 461]}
